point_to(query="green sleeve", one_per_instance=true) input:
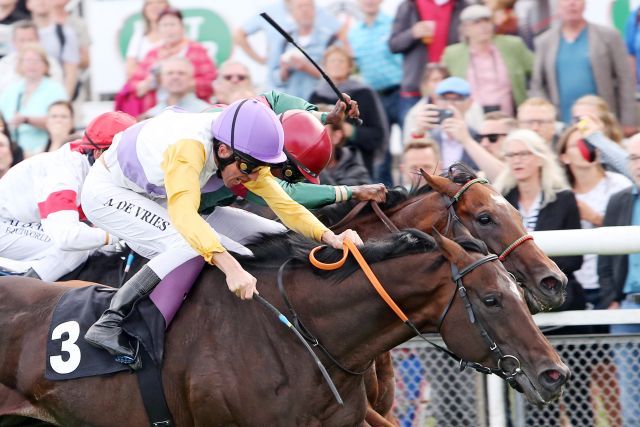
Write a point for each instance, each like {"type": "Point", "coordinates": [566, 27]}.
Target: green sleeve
{"type": "Point", "coordinates": [220, 197]}
{"type": "Point", "coordinates": [310, 196]}
{"type": "Point", "coordinates": [281, 102]}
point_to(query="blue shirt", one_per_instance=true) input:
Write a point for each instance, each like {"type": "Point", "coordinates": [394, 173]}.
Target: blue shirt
{"type": "Point", "coordinates": [632, 283]}
{"type": "Point", "coordinates": [378, 66]}
{"type": "Point", "coordinates": [632, 40]}
{"type": "Point", "coordinates": [574, 73]}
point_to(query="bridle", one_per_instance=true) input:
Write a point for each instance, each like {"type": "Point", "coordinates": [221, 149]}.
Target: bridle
{"type": "Point", "coordinates": [456, 275]}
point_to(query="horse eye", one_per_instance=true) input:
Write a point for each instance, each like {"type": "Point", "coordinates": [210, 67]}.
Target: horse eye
{"type": "Point", "coordinates": [490, 301]}
{"type": "Point", "coordinates": [484, 219]}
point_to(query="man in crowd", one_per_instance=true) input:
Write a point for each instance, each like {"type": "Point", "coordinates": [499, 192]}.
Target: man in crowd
{"type": "Point", "coordinates": [578, 58]}
{"type": "Point", "coordinates": [24, 34]}
{"type": "Point", "coordinates": [419, 153]}
{"type": "Point", "coordinates": [539, 115]}
{"type": "Point", "coordinates": [9, 13]}
{"type": "Point", "coordinates": [58, 41]}
{"type": "Point", "coordinates": [620, 285]}
{"type": "Point", "coordinates": [176, 79]}
{"type": "Point", "coordinates": [233, 82]}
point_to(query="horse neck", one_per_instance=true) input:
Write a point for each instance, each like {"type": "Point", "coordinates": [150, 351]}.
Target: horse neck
{"type": "Point", "coordinates": [423, 212]}
{"type": "Point", "coordinates": [354, 323]}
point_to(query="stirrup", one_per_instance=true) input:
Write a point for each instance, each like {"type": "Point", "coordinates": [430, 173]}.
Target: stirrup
{"type": "Point", "coordinates": [135, 363]}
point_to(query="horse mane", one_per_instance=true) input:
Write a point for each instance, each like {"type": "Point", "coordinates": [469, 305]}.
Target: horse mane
{"type": "Point", "coordinates": [458, 173]}
{"type": "Point", "coordinates": [271, 251]}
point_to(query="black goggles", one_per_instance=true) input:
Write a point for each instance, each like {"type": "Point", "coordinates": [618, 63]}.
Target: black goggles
{"type": "Point", "coordinates": [492, 137]}
{"type": "Point", "coordinates": [247, 166]}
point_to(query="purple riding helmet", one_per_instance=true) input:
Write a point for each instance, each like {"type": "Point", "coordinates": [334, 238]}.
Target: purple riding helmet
{"type": "Point", "coordinates": [252, 130]}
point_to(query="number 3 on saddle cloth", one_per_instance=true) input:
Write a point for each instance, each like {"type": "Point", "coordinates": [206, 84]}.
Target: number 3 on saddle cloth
{"type": "Point", "coordinates": [69, 356]}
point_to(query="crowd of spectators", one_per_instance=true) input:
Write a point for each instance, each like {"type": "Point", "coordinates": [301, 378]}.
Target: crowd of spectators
{"type": "Point", "coordinates": [542, 103]}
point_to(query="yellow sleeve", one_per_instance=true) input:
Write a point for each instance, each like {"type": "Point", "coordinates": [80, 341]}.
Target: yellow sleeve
{"type": "Point", "coordinates": [182, 163]}
{"type": "Point", "coordinates": [292, 214]}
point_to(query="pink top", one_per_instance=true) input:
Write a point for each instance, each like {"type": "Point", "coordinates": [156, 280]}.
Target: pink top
{"type": "Point", "coordinates": [489, 79]}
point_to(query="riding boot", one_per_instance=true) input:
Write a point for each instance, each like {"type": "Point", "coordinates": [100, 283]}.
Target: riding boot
{"type": "Point", "coordinates": [106, 333]}
{"type": "Point", "coordinates": [32, 273]}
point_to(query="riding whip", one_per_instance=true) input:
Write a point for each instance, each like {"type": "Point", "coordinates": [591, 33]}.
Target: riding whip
{"type": "Point", "coordinates": [288, 324]}
{"type": "Point", "coordinates": [287, 36]}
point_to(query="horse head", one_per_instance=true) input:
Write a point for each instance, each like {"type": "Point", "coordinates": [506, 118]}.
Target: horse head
{"type": "Point", "coordinates": [487, 322]}
{"type": "Point", "coordinates": [491, 218]}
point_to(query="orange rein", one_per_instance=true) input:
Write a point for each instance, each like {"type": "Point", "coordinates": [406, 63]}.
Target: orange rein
{"type": "Point", "coordinates": [350, 247]}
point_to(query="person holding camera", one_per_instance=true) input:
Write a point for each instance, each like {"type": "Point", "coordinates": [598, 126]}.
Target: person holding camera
{"type": "Point", "coordinates": [444, 122]}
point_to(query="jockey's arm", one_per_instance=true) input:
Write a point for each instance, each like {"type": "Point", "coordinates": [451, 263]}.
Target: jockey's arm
{"type": "Point", "coordinates": [182, 164]}
{"type": "Point", "coordinates": [311, 196]}
{"type": "Point", "coordinates": [292, 214]}
{"type": "Point", "coordinates": [61, 222]}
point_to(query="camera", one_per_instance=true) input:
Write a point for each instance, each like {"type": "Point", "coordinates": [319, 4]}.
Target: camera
{"type": "Point", "coordinates": [443, 114]}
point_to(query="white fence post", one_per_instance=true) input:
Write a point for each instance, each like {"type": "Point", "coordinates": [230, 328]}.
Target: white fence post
{"type": "Point", "coordinates": [495, 400]}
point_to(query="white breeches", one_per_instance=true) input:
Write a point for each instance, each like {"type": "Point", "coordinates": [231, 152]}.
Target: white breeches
{"type": "Point", "coordinates": [28, 246]}
{"type": "Point", "coordinates": [143, 222]}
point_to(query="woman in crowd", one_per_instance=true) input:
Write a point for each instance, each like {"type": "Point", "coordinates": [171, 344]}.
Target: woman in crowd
{"type": "Point", "coordinates": [141, 93]}
{"type": "Point", "coordinates": [145, 39]}
{"type": "Point", "coordinates": [535, 184]}
{"type": "Point", "coordinates": [595, 106]}
{"type": "Point", "coordinates": [24, 104]}
{"type": "Point", "coordinates": [60, 124]}
{"type": "Point", "coordinates": [372, 135]}
{"type": "Point", "coordinates": [592, 186]}
{"type": "Point", "coordinates": [16, 152]}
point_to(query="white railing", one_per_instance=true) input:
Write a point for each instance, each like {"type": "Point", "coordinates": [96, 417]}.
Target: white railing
{"type": "Point", "coordinates": [599, 241]}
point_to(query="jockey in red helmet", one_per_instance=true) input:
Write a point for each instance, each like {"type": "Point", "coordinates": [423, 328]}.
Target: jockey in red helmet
{"type": "Point", "coordinates": [40, 204]}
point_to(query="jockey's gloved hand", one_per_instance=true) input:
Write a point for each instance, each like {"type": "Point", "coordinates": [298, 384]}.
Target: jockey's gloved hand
{"type": "Point", "coordinates": [335, 241]}
{"type": "Point", "coordinates": [115, 246]}
{"type": "Point", "coordinates": [374, 192]}
{"type": "Point", "coordinates": [340, 110]}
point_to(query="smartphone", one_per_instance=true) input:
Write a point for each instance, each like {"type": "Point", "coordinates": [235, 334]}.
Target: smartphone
{"type": "Point", "coordinates": [443, 114]}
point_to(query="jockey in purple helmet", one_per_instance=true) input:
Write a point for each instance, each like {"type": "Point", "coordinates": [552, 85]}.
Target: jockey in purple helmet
{"type": "Point", "coordinates": [146, 190]}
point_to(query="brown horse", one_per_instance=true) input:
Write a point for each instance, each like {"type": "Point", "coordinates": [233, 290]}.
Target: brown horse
{"type": "Point", "coordinates": [229, 362]}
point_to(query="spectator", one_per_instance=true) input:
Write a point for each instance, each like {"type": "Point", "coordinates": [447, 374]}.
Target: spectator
{"type": "Point", "coordinates": [62, 16]}
{"type": "Point", "coordinates": [16, 151]}
{"type": "Point", "coordinates": [280, 12]}
{"type": "Point", "coordinates": [620, 285]}
{"type": "Point", "coordinates": [60, 124]}
{"type": "Point", "coordinates": [535, 184]}
{"type": "Point", "coordinates": [433, 74]}
{"type": "Point", "coordinates": [472, 113]}
{"type": "Point", "coordinates": [233, 82]}
{"type": "Point", "coordinates": [176, 79]}
{"type": "Point", "coordinates": [632, 40]}
{"type": "Point", "coordinates": [6, 156]}
{"type": "Point", "coordinates": [9, 14]}
{"type": "Point", "coordinates": [379, 68]}
{"type": "Point", "coordinates": [497, 67]}
{"type": "Point", "coordinates": [453, 95]}
{"type": "Point", "coordinates": [539, 115]}
{"type": "Point", "coordinates": [346, 166]}
{"type": "Point", "coordinates": [594, 106]}
{"type": "Point", "coordinates": [494, 129]}
{"type": "Point", "coordinates": [503, 16]}
{"type": "Point", "coordinates": [578, 58]}
{"type": "Point", "coordinates": [59, 41]}
{"type": "Point", "coordinates": [592, 187]}
{"type": "Point", "coordinates": [419, 153]}
{"type": "Point", "coordinates": [534, 18]}
{"type": "Point", "coordinates": [24, 104]}
{"type": "Point", "coordinates": [420, 32]}
{"type": "Point", "coordinates": [294, 74]}
{"type": "Point", "coordinates": [24, 33]}
{"type": "Point", "coordinates": [141, 93]}
{"type": "Point", "coordinates": [373, 134]}
{"type": "Point", "coordinates": [145, 38]}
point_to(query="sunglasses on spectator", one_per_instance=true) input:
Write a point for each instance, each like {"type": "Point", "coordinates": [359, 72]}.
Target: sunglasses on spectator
{"type": "Point", "coordinates": [239, 77]}
{"type": "Point", "coordinates": [492, 137]}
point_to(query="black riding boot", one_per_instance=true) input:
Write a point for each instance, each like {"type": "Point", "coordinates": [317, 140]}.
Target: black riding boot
{"type": "Point", "coordinates": [106, 333]}
{"type": "Point", "coordinates": [32, 273]}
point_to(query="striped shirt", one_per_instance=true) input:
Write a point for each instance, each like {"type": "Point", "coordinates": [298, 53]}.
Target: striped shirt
{"type": "Point", "coordinates": [379, 67]}
{"type": "Point", "coordinates": [530, 217]}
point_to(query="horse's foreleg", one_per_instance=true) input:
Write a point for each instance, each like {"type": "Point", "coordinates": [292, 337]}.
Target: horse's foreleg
{"type": "Point", "coordinates": [374, 419]}
{"type": "Point", "coordinates": [385, 384]}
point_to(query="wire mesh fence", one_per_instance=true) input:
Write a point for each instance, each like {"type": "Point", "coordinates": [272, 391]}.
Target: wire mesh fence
{"type": "Point", "coordinates": [604, 390]}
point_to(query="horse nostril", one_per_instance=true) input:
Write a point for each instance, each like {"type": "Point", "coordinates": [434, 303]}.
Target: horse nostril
{"type": "Point", "coordinates": [551, 283]}
{"type": "Point", "coordinates": [552, 379]}
{"type": "Point", "coordinates": [553, 375]}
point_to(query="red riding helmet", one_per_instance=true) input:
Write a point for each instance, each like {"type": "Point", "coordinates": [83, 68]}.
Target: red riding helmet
{"type": "Point", "coordinates": [307, 145]}
{"type": "Point", "coordinates": [101, 130]}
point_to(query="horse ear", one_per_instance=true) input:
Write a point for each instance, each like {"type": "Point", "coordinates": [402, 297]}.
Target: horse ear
{"type": "Point", "coordinates": [450, 249]}
{"type": "Point", "coordinates": [440, 184]}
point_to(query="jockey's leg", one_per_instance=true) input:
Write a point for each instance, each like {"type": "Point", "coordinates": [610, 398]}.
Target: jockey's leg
{"type": "Point", "coordinates": [242, 226]}
{"type": "Point", "coordinates": [32, 250]}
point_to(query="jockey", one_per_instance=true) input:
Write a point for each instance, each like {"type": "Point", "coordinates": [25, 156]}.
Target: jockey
{"type": "Point", "coordinates": [146, 189]}
{"type": "Point", "coordinates": [40, 213]}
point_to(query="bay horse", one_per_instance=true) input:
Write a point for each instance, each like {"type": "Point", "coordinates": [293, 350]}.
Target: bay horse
{"type": "Point", "coordinates": [230, 362]}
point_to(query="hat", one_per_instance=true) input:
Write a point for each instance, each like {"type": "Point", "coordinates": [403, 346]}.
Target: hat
{"type": "Point", "coordinates": [455, 85]}
{"type": "Point", "coordinates": [475, 12]}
